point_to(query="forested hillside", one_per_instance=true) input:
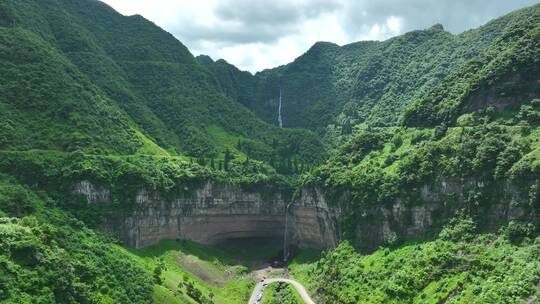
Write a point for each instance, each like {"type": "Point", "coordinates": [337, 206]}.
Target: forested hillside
{"type": "Point", "coordinates": [440, 130]}
{"type": "Point", "coordinates": [478, 128]}
{"type": "Point", "coordinates": [79, 76]}
{"type": "Point", "coordinates": [483, 125]}
{"type": "Point", "coordinates": [89, 94]}
{"type": "Point", "coordinates": [368, 81]}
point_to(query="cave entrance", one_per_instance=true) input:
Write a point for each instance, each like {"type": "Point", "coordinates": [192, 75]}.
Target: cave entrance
{"type": "Point", "coordinates": [254, 252]}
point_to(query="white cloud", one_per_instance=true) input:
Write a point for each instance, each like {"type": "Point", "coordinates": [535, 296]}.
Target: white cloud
{"type": "Point", "coordinates": [394, 24]}
{"type": "Point", "coordinates": [255, 35]}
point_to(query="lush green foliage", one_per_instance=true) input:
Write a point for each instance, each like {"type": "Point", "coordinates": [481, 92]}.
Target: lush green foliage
{"type": "Point", "coordinates": [281, 293]}
{"type": "Point", "coordinates": [88, 94]}
{"type": "Point", "coordinates": [504, 73]}
{"type": "Point", "coordinates": [79, 76]}
{"type": "Point", "coordinates": [490, 149]}
{"type": "Point", "coordinates": [378, 166]}
{"type": "Point", "coordinates": [49, 257]}
{"type": "Point", "coordinates": [484, 269]}
{"type": "Point", "coordinates": [374, 82]}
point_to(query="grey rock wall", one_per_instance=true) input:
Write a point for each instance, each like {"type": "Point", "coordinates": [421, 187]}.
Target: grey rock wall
{"type": "Point", "coordinates": [430, 207]}
{"type": "Point", "coordinates": [213, 213]}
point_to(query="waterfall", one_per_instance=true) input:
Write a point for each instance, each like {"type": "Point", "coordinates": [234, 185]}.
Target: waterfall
{"type": "Point", "coordinates": [280, 119]}
{"type": "Point", "coordinates": [285, 253]}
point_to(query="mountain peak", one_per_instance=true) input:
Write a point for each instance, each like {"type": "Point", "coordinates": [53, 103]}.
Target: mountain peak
{"type": "Point", "coordinates": [437, 27]}
{"type": "Point", "coordinates": [324, 44]}
{"type": "Point", "coordinates": [204, 59]}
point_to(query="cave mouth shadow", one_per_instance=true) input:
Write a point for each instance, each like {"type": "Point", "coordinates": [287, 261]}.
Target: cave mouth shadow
{"type": "Point", "coordinates": [253, 252]}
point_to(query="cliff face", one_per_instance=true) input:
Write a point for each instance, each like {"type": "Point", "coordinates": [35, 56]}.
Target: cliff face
{"type": "Point", "coordinates": [315, 224]}
{"type": "Point", "coordinates": [214, 213]}
{"type": "Point", "coordinates": [427, 209]}
{"type": "Point", "coordinates": [209, 215]}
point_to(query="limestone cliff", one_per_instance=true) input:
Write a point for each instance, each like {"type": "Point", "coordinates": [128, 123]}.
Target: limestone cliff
{"type": "Point", "coordinates": [423, 211]}
{"type": "Point", "coordinates": [213, 213]}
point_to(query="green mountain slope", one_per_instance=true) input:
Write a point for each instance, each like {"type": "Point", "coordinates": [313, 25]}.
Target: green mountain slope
{"type": "Point", "coordinates": [483, 269]}
{"type": "Point", "coordinates": [47, 256]}
{"type": "Point", "coordinates": [372, 82]}
{"type": "Point", "coordinates": [502, 77]}
{"type": "Point", "coordinates": [89, 94]}
{"type": "Point", "coordinates": [33, 74]}
{"type": "Point", "coordinates": [148, 78]}
{"type": "Point", "coordinates": [481, 124]}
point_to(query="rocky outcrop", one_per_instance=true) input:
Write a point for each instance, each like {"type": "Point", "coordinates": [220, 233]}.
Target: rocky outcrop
{"type": "Point", "coordinates": [91, 192]}
{"type": "Point", "coordinates": [524, 87]}
{"type": "Point", "coordinates": [208, 215]}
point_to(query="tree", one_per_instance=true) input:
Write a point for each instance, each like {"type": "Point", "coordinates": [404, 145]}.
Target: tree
{"type": "Point", "coordinates": [226, 159]}
{"type": "Point", "coordinates": [201, 161]}
{"type": "Point", "coordinates": [346, 129]}
{"type": "Point", "coordinates": [158, 270]}
{"type": "Point", "coordinates": [6, 132]}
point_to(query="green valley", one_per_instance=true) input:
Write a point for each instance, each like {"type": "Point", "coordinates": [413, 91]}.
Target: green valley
{"type": "Point", "coordinates": [407, 170]}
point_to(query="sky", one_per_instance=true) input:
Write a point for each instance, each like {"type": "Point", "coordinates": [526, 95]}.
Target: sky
{"type": "Point", "coordinates": [259, 34]}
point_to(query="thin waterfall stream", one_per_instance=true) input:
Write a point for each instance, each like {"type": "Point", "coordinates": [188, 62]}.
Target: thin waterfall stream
{"type": "Point", "coordinates": [280, 118]}
{"type": "Point", "coordinates": [285, 253]}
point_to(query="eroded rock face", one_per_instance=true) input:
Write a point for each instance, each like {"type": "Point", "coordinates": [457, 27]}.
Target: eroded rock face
{"type": "Point", "coordinates": [92, 192]}
{"type": "Point", "coordinates": [524, 87]}
{"type": "Point", "coordinates": [433, 205]}
{"type": "Point", "coordinates": [314, 223]}
{"type": "Point", "coordinates": [208, 215]}
{"type": "Point", "coordinates": [214, 213]}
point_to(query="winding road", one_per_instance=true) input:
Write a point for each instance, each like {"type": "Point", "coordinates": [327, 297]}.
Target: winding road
{"type": "Point", "coordinates": [259, 288]}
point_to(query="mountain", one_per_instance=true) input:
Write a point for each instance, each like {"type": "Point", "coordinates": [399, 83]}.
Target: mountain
{"type": "Point", "coordinates": [93, 79]}
{"type": "Point", "coordinates": [368, 81]}
{"type": "Point", "coordinates": [414, 162]}
{"type": "Point", "coordinates": [480, 125]}
{"type": "Point", "coordinates": [502, 77]}
{"type": "Point", "coordinates": [445, 206]}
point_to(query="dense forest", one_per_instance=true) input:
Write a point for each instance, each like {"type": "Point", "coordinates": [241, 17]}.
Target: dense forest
{"type": "Point", "coordinates": [370, 81]}
{"type": "Point", "coordinates": [89, 94]}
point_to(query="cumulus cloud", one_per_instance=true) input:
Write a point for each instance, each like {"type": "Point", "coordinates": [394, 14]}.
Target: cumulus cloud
{"type": "Point", "coordinates": [255, 35]}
